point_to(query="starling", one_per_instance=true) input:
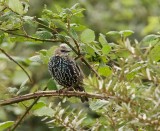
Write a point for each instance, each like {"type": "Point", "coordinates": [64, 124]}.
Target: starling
{"type": "Point", "coordinates": [65, 70]}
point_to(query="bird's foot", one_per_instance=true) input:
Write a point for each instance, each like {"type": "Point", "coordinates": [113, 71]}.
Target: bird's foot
{"type": "Point", "coordinates": [61, 91]}
{"type": "Point", "coordinates": [70, 89]}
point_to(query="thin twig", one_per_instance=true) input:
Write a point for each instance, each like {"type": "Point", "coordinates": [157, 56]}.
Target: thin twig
{"type": "Point", "coordinates": [3, 9]}
{"type": "Point", "coordinates": [33, 38]}
{"type": "Point", "coordinates": [68, 23]}
{"type": "Point", "coordinates": [83, 60]}
{"type": "Point", "coordinates": [16, 63]}
{"type": "Point", "coordinates": [68, 33]}
{"type": "Point", "coordinates": [75, 42]}
{"type": "Point", "coordinates": [26, 112]}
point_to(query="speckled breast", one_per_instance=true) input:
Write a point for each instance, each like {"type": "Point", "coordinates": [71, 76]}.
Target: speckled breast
{"type": "Point", "coordinates": [63, 70]}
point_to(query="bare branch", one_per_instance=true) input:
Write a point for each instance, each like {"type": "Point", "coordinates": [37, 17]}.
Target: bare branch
{"type": "Point", "coordinates": [55, 94]}
{"type": "Point", "coordinates": [16, 63]}
{"type": "Point", "coordinates": [33, 38]}
{"type": "Point", "coordinates": [49, 94]}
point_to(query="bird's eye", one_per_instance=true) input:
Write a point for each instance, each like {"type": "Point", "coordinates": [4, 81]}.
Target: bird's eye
{"type": "Point", "coordinates": [64, 51]}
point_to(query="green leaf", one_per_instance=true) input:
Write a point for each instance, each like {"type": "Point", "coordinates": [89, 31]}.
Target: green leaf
{"type": "Point", "coordinates": [43, 51]}
{"type": "Point", "coordinates": [1, 38]}
{"type": "Point", "coordinates": [50, 51]}
{"type": "Point", "coordinates": [87, 36]}
{"type": "Point", "coordinates": [16, 6]}
{"type": "Point", "coordinates": [102, 39]}
{"type": "Point", "coordinates": [131, 75]}
{"type": "Point", "coordinates": [12, 90]}
{"type": "Point", "coordinates": [51, 85]}
{"type": "Point", "coordinates": [30, 21]}
{"type": "Point", "coordinates": [75, 6]}
{"type": "Point", "coordinates": [23, 89]}
{"type": "Point", "coordinates": [62, 37]}
{"type": "Point", "coordinates": [73, 34]}
{"type": "Point", "coordinates": [126, 33]}
{"type": "Point", "coordinates": [44, 34]}
{"type": "Point", "coordinates": [76, 10]}
{"type": "Point", "coordinates": [19, 77]}
{"type": "Point", "coordinates": [78, 27]}
{"type": "Point", "coordinates": [104, 71]}
{"type": "Point", "coordinates": [26, 18]}
{"type": "Point", "coordinates": [5, 125]}
{"type": "Point", "coordinates": [106, 49]}
{"type": "Point", "coordinates": [44, 58]}
{"type": "Point", "coordinates": [36, 58]}
{"type": "Point", "coordinates": [89, 50]}
{"type": "Point", "coordinates": [59, 24]}
{"type": "Point", "coordinates": [38, 105]}
{"type": "Point", "coordinates": [149, 40]}
{"type": "Point", "coordinates": [23, 83]}
{"type": "Point", "coordinates": [115, 35]}
{"type": "Point", "coordinates": [44, 111]}
{"type": "Point", "coordinates": [155, 53]}
{"type": "Point", "coordinates": [98, 104]}
{"type": "Point", "coordinates": [44, 21]}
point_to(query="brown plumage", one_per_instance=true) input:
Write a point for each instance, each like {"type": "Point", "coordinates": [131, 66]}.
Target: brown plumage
{"type": "Point", "coordinates": [65, 70]}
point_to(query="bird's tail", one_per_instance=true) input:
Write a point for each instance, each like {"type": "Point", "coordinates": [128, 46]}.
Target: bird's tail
{"type": "Point", "coordinates": [81, 89]}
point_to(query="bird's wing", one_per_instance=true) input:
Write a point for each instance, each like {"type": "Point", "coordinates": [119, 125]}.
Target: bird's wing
{"type": "Point", "coordinates": [80, 71]}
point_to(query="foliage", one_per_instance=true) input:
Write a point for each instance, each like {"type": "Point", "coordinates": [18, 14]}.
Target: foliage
{"type": "Point", "coordinates": [125, 70]}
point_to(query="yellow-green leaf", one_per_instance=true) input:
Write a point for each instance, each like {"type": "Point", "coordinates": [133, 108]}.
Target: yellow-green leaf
{"type": "Point", "coordinates": [87, 36]}
{"type": "Point", "coordinates": [16, 6]}
{"type": "Point", "coordinates": [104, 71]}
{"type": "Point", "coordinates": [5, 125]}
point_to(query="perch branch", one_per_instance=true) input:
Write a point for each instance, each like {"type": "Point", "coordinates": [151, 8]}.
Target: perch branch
{"type": "Point", "coordinates": [55, 94]}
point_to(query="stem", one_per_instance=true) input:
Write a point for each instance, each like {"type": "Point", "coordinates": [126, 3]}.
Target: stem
{"type": "Point", "coordinates": [16, 63]}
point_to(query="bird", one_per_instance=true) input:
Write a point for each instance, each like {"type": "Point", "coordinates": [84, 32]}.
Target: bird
{"type": "Point", "coordinates": [65, 70]}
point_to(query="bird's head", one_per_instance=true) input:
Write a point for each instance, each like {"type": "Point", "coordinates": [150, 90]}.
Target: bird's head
{"type": "Point", "coordinates": [62, 50]}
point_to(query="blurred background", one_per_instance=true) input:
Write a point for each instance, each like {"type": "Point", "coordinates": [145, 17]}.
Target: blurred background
{"type": "Point", "coordinates": [141, 16]}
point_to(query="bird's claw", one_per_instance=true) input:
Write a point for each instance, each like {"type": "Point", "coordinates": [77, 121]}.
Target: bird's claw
{"type": "Point", "coordinates": [61, 91]}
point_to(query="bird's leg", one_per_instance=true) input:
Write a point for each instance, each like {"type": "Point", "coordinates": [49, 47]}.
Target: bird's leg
{"type": "Point", "coordinates": [70, 89]}
{"type": "Point", "coordinates": [61, 90]}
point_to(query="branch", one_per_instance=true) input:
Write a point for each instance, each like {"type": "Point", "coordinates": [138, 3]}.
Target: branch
{"type": "Point", "coordinates": [16, 63]}
{"type": "Point", "coordinates": [52, 93]}
{"type": "Point", "coordinates": [33, 38]}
